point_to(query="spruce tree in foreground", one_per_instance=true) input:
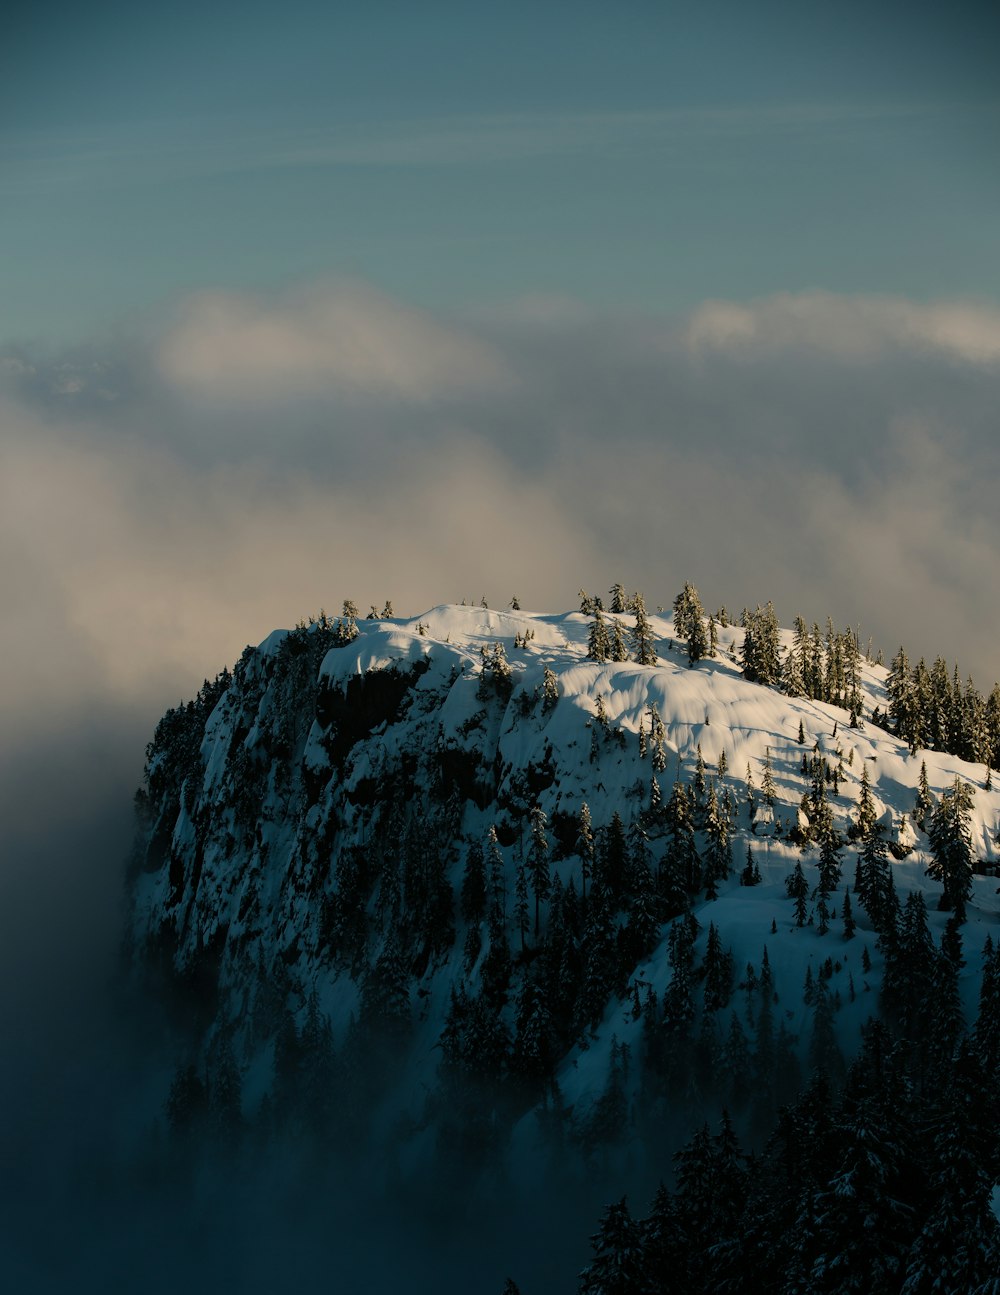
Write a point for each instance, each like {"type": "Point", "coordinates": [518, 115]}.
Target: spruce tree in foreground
{"type": "Point", "coordinates": [619, 1266]}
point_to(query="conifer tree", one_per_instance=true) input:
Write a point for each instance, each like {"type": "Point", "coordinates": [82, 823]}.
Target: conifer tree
{"type": "Point", "coordinates": [351, 614]}
{"type": "Point", "coordinates": [829, 857]}
{"type": "Point", "coordinates": [598, 642]}
{"type": "Point", "coordinates": [698, 644]}
{"type": "Point", "coordinates": [521, 900]}
{"type": "Point", "coordinates": [991, 723]}
{"type": "Point", "coordinates": [585, 848]}
{"type": "Point", "coordinates": [643, 927]}
{"type": "Point", "coordinates": [665, 1245]}
{"type": "Point", "coordinates": [538, 861]}
{"type": "Point", "coordinates": [824, 1055]}
{"type": "Point", "coordinates": [687, 605]}
{"type": "Point", "coordinates": [496, 873]}
{"type": "Point", "coordinates": [958, 1246]}
{"type": "Point", "coordinates": [767, 784]}
{"type": "Point", "coordinates": [865, 814]}
{"type": "Point", "coordinates": [718, 855]}
{"type": "Point", "coordinates": [619, 1266]}
{"type": "Point", "coordinates": [550, 690]}
{"type": "Point", "coordinates": [750, 789]}
{"type": "Point", "coordinates": [864, 1213]}
{"type": "Point", "coordinates": [736, 1065]}
{"type": "Point", "coordinates": [612, 859]}
{"type": "Point", "coordinates": [657, 739]}
{"type": "Point", "coordinates": [682, 847]}
{"type": "Point", "coordinates": [750, 876]}
{"type": "Point", "coordinates": [642, 633]}
{"type": "Point", "coordinates": [797, 889]}
{"type": "Point", "coordinates": [601, 966]}
{"type": "Point", "coordinates": [678, 1003]}
{"type": "Point", "coordinates": [951, 847]}
{"type": "Point", "coordinates": [986, 1035]}
{"type": "Point", "coordinates": [910, 956]}
{"type": "Point", "coordinates": [699, 782]}
{"type": "Point", "coordinates": [902, 709]}
{"type": "Point", "coordinates": [945, 1019]}
{"type": "Point", "coordinates": [761, 652]}
{"type": "Point", "coordinates": [617, 649]}
{"type": "Point", "coordinates": [848, 917]}
{"type": "Point", "coordinates": [532, 1055]}
{"type": "Point", "coordinates": [875, 887]}
{"type": "Point", "coordinates": [792, 681]}
{"type": "Point", "coordinates": [717, 971]}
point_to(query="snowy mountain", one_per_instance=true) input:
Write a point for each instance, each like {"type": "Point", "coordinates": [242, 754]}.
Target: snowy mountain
{"type": "Point", "coordinates": [312, 826]}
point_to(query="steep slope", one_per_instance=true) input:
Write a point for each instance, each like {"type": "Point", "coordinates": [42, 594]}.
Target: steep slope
{"type": "Point", "coordinates": [307, 825]}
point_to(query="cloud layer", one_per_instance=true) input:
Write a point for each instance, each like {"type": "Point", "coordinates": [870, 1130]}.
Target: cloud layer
{"type": "Point", "coordinates": [854, 329]}
{"type": "Point", "coordinates": [348, 341]}
{"type": "Point", "coordinates": [166, 501]}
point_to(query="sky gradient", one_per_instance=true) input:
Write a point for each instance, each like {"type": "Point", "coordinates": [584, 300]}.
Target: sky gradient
{"type": "Point", "coordinates": [647, 155]}
{"type": "Point", "coordinates": [311, 301]}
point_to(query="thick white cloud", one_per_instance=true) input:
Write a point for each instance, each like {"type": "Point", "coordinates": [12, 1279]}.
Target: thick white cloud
{"type": "Point", "coordinates": [133, 572]}
{"type": "Point", "coordinates": [146, 539]}
{"type": "Point", "coordinates": [339, 339]}
{"type": "Point", "coordinates": [848, 327]}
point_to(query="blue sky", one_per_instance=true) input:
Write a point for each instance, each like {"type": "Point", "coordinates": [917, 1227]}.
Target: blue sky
{"type": "Point", "coordinates": [304, 302]}
{"type": "Point", "coordinates": [643, 155]}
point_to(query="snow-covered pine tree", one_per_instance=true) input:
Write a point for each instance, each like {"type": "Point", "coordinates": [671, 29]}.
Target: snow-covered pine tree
{"type": "Point", "coordinates": [619, 1265]}
{"type": "Point", "coordinates": [924, 803]}
{"type": "Point", "coordinates": [598, 642]}
{"type": "Point", "coordinates": [951, 847]}
{"type": "Point", "coordinates": [618, 648]}
{"type": "Point", "coordinates": [642, 633]}
{"type": "Point", "coordinates": [585, 848]}
{"type": "Point", "coordinates": [761, 651]}
{"type": "Point", "coordinates": [876, 889]}
{"type": "Point", "coordinates": [767, 788]}
{"type": "Point", "coordinates": [538, 861]}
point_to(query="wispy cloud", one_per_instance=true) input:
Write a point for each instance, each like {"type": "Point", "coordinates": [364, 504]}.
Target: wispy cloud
{"type": "Point", "coordinates": [849, 327]}
{"type": "Point", "coordinates": [152, 152]}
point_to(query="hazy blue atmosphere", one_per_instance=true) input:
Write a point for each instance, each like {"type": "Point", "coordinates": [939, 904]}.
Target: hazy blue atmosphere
{"type": "Point", "coordinates": [308, 302]}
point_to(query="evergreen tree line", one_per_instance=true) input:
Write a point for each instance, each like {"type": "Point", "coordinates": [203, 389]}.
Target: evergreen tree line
{"type": "Point", "coordinates": [880, 1187]}
{"type": "Point", "coordinates": [926, 708]}
{"type": "Point", "coordinates": [932, 708]}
